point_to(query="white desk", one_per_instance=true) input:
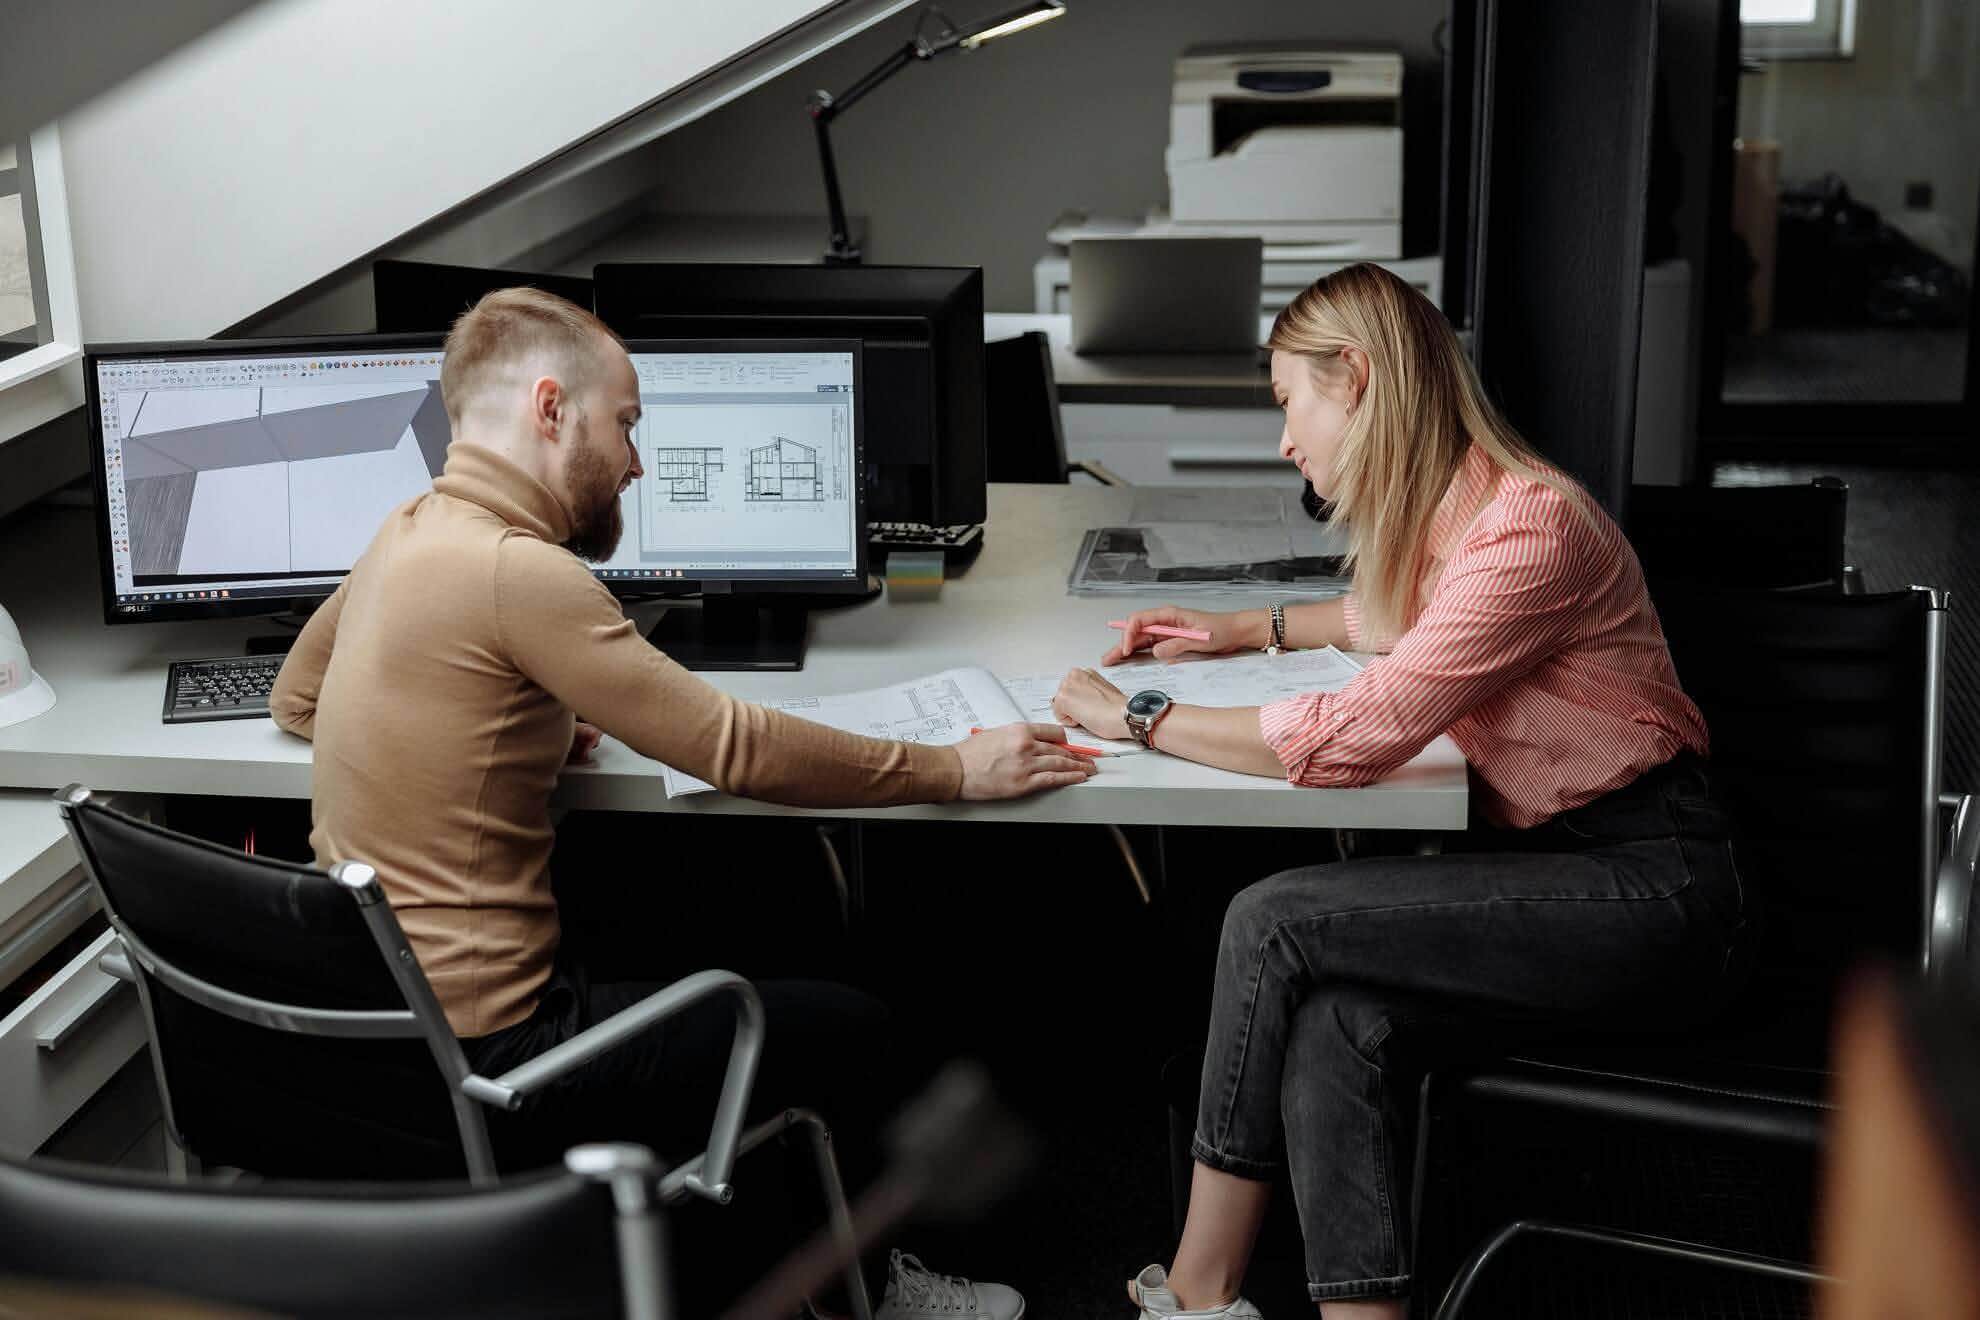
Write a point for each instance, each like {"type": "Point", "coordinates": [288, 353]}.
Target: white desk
{"type": "Point", "coordinates": [1008, 612]}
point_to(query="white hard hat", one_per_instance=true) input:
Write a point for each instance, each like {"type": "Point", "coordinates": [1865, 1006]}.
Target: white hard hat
{"type": "Point", "coordinates": [23, 693]}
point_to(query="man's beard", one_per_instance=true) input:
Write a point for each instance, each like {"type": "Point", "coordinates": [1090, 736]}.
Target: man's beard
{"type": "Point", "coordinates": [596, 522]}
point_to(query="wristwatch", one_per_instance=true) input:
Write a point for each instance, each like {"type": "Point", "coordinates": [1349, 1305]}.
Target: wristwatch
{"type": "Point", "coordinates": [1144, 711]}
{"type": "Point", "coordinates": [1278, 642]}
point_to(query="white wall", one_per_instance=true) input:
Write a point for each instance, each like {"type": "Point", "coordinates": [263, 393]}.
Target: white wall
{"type": "Point", "coordinates": [967, 160]}
{"type": "Point", "coordinates": [309, 133]}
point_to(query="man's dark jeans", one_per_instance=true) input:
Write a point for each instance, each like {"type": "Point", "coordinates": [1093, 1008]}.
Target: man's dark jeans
{"type": "Point", "coordinates": [1623, 913]}
{"type": "Point", "coordinates": [827, 1046]}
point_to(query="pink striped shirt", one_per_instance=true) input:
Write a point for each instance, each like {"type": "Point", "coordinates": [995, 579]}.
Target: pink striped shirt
{"type": "Point", "coordinates": [1537, 650]}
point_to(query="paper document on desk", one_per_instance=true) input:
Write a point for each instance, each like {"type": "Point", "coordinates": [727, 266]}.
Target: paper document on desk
{"type": "Point", "coordinates": [1250, 679]}
{"type": "Point", "coordinates": [942, 708]}
{"type": "Point", "coordinates": [939, 708]}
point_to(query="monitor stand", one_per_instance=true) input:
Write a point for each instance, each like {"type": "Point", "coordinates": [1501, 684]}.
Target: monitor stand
{"type": "Point", "coordinates": [282, 643]}
{"type": "Point", "coordinates": [732, 635]}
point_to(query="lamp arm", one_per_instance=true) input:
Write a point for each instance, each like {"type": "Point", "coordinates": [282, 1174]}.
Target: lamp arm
{"type": "Point", "coordinates": [823, 109]}
{"type": "Point", "coordinates": [826, 107]}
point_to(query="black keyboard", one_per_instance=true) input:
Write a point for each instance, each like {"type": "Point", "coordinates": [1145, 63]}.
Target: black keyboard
{"type": "Point", "coordinates": [957, 544]}
{"type": "Point", "coordinates": [234, 688]}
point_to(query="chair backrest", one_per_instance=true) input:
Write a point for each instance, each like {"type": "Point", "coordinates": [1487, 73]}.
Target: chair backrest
{"type": "Point", "coordinates": [1825, 727]}
{"type": "Point", "coordinates": [537, 1245]}
{"type": "Point", "coordinates": [1027, 439]}
{"type": "Point", "coordinates": [1741, 536]}
{"type": "Point", "coordinates": [282, 1040]}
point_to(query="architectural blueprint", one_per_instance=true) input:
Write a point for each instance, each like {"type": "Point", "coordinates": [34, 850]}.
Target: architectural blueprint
{"type": "Point", "coordinates": [936, 708]}
{"type": "Point", "coordinates": [685, 476]}
{"type": "Point", "coordinates": [784, 470]}
{"type": "Point", "coordinates": [942, 708]}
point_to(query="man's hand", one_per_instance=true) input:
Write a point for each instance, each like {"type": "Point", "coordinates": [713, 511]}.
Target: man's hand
{"type": "Point", "coordinates": [1090, 701]}
{"type": "Point", "coordinates": [584, 740]}
{"type": "Point", "coordinates": [1017, 759]}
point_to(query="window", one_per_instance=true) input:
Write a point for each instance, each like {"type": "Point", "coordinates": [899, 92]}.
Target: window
{"type": "Point", "coordinates": [40, 339]}
{"type": "Point", "coordinates": [1797, 29]}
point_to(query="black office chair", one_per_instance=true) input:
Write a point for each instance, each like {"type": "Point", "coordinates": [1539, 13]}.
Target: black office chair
{"type": "Point", "coordinates": [1744, 536]}
{"type": "Point", "coordinates": [1026, 432]}
{"type": "Point", "coordinates": [1641, 1178]}
{"type": "Point", "coordinates": [585, 1240]}
{"type": "Point", "coordinates": [294, 1034]}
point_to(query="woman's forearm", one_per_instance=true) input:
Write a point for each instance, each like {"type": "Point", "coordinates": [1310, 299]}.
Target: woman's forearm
{"type": "Point", "coordinates": [1227, 737]}
{"type": "Point", "coordinates": [1322, 623]}
{"type": "Point", "coordinates": [1308, 627]}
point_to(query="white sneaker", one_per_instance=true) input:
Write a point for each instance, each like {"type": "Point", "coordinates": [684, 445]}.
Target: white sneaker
{"type": "Point", "coordinates": [1151, 1290]}
{"type": "Point", "coordinates": [914, 1292]}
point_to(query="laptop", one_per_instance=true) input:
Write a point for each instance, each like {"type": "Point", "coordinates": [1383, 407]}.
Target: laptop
{"type": "Point", "coordinates": [1166, 295]}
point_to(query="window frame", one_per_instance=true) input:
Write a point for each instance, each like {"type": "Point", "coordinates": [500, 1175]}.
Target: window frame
{"type": "Point", "coordinates": [46, 381]}
{"type": "Point", "coordinates": [1830, 35]}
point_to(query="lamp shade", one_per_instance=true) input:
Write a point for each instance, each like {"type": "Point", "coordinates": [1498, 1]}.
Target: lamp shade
{"type": "Point", "coordinates": [1015, 20]}
{"type": "Point", "coordinates": [23, 693]}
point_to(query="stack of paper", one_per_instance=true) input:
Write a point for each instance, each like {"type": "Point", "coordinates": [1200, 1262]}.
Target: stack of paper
{"type": "Point", "coordinates": [1211, 539]}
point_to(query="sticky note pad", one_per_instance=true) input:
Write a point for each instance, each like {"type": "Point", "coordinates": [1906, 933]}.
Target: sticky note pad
{"type": "Point", "coordinates": [914, 576]}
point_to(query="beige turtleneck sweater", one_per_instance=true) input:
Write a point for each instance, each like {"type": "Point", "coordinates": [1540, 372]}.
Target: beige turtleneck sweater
{"type": "Point", "coordinates": [439, 684]}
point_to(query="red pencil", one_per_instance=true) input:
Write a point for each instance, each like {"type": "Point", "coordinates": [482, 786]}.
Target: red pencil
{"type": "Point", "coordinates": [1164, 630]}
{"type": "Point", "coordinates": [1074, 747]}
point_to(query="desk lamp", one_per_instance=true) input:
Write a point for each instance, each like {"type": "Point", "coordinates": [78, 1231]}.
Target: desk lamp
{"type": "Point", "coordinates": [825, 107]}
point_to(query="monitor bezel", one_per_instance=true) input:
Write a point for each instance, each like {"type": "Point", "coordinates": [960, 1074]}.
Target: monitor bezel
{"type": "Point", "coordinates": [856, 585]}
{"type": "Point", "coordinates": [175, 611]}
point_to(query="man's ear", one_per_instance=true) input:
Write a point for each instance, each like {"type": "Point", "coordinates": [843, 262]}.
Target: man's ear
{"type": "Point", "coordinates": [546, 407]}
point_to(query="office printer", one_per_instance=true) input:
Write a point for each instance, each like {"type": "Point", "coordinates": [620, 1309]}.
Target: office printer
{"type": "Point", "coordinates": [1292, 141]}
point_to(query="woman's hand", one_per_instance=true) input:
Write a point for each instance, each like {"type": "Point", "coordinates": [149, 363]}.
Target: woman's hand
{"type": "Point", "coordinates": [1090, 701]}
{"type": "Point", "coordinates": [1228, 632]}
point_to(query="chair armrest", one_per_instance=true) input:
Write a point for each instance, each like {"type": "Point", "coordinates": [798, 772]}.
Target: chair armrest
{"type": "Point", "coordinates": [1100, 472]}
{"type": "Point", "coordinates": [1946, 952]}
{"type": "Point", "coordinates": [116, 963]}
{"type": "Point", "coordinates": [1696, 1254]}
{"type": "Point", "coordinates": [508, 1090]}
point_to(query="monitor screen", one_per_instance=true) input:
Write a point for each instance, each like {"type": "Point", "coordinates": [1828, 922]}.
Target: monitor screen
{"type": "Point", "coordinates": [752, 458]}
{"type": "Point", "coordinates": [922, 331]}
{"type": "Point", "coordinates": [234, 478]}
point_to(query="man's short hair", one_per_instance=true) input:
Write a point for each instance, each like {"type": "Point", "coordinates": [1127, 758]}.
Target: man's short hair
{"type": "Point", "coordinates": [510, 326]}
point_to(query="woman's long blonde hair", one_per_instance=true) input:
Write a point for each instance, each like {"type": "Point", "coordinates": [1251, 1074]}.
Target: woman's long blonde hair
{"type": "Point", "coordinates": [1407, 434]}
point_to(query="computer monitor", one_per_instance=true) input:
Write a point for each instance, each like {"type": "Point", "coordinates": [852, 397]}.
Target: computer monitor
{"type": "Point", "coordinates": [923, 332]}
{"type": "Point", "coordinates": [411, 297]}
{"type": "Point", "coordinates": [242, 477]}
{"type": "Point", "coordinates": [752, 452]}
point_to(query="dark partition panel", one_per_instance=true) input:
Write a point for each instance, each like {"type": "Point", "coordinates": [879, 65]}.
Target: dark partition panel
{"type": "Point", "coordinates": [1563, 180]}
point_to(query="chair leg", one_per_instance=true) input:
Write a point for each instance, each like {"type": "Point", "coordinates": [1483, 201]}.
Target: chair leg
{"type": "Point", "coordinates": [1133, 865]}
{"type": "Point", "coordinates": [837, 1211]}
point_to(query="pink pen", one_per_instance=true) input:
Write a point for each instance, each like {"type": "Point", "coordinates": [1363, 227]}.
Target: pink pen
{"type": "Point", "coordinates": [1163, 630]}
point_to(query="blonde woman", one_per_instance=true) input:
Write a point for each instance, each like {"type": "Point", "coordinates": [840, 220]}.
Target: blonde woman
{"type": "Point", "coordinates": [1597, 888]}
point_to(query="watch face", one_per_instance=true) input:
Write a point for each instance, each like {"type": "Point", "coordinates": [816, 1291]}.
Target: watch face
{"type": "Point", "coordinates": [1147, 703]}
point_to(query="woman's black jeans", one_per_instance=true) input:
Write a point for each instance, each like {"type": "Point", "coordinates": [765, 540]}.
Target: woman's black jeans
{"type": "Point", "coordinates": [1620, 914]}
